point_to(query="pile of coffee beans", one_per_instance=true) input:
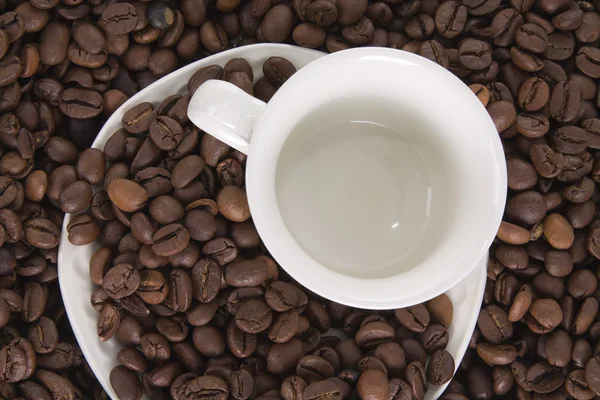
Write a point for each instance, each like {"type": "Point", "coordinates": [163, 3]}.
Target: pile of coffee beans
{"type": "Point", "coordinates": [66, 65]}
{"type": "Point", "coordinates": [186, 286]}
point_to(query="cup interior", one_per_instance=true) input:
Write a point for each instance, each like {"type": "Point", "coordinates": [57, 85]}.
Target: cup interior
{"type": "Point", "coordinates": [378, 170]}
{"type": "Point", "coordinates": [365, 188]}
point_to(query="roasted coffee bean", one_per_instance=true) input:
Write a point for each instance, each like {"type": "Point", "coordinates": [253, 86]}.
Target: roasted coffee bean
{"type": "Point", "coordinates": [125, 383]}
{"type": "Point", "coordinates": [246, 273]}
{"type": "Point", "coordinates": [254, 316]}
{"type": "Point", "coordinates": [414, 318]}
{"type": "Point", "coordinates": [322, 390]}
{"type": "Point", "coordinates": [80, 103]}
{"type": "Point", "coordinates": [494, 324]}
{"type": "Point", "coordinates": [206, 280]}
{"type": "Point", "coordinates": [121, 280]}
{"type": "Point", "coordinates": [119, 18]}
{"type": "Point", "coordinates": [440, 367]}
{"type": "Point", "coordinates": [139, 118]}
{"type": "Point", "coordinates": [108, 322]}
{"type": "Point", "coordinates": [277, 70]}
{"type": "Point", "coordinates": [587, 61]}
{"type": "Point", "coordinates": [475, 54]}
{"type": "Point", "coordinates": [372, 385]}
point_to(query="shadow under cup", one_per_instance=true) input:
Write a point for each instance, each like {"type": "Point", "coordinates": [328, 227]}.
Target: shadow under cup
{"type": "Point", "coordinates": [367, 187]}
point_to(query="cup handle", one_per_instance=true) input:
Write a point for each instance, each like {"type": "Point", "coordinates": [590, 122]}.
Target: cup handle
{"type": "Point", "coordinates": [226, 112]}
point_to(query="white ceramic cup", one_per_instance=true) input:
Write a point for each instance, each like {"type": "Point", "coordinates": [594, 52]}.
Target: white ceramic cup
{"type": "Point", "coordinates": [375, 177]}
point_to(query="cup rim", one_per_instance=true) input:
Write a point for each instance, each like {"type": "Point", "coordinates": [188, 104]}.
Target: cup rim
{"type": "Point", "coordinates": [381, 293]}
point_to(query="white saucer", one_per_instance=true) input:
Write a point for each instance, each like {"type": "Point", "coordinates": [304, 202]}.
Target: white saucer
{"type": "Point", "coordinates": [73, 264]}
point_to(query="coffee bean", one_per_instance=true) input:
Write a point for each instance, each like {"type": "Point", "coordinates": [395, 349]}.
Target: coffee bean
{"type": "Point", "coordinates": [314, 368]}
{"type": "Point", "coordinates": [434, 338]}
{"type": "Point", "coordinates": [285, 327]}
{"type": "Point", "coordinates": [277, 70]}
{"type": "Point", "coordinates": [587, 61]}
{"type": "Point", "coordinates": [254, 316]}
{"type": "Point", "coordinates": [81, 103]}
{"type": "Point", "coordinates": [282, 358]}
{"type": "Point", "coordinates": [75, 197]}
{"type": "Point", "coordinates": [440, 368]}
{"type": "Point", "coordinates": [241, 384]}
{"type": "Point", "coordinates": [450, 19]}
{"type": "Point", "coordinates": [246, 273]}
{"type": "Point", "coordinates": [53, 44]}
{"type": "Point", "coordinates": [374, 333]}
{"type": "Point", "coordinates": [414, 318]}
{"type": "Point", "coordinates": [139, 118]}
{"type": "Point", "coordinates": [475, 54]}
{"type": "Point", "coordinates": [372, 385]}
{"type": "Point", "coordinates": [127, 195]}
{"type": "Point", "coordinates": [322, 390]}
{"type": "Point", "coordinates": [119, 18]}
{"type": "Point", "coordinates": [125, 383]}
{"type": "Point", "coordinates": [494, 324]}
{"type": "Point", "coordinates": [41, 233]}
{"type": "Point", "coordinates": [121, 280]}
{"type": "Point", "coordinates": [521, 174]}
{"type": "Point", "coordinates": [170, 240]}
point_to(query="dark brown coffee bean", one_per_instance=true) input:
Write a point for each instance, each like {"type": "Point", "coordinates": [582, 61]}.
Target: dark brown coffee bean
{"type": "Point", "coordinates": [440, 368]}
{"type": "Point", "coordinates": [544, 315]}
{"type": "Point", "coordinates": [372, 385]}
{"type": "Point", "coordinates": [450, 19]}
{"type": "Point", "coordinates": [587, 60]}
{"type": "Point", "coordinates": [81, 103]}
{"type": "Point", "coordinates": [206, 280]}
{"type": "Point", "coordinates": [282, 358]}
{"type": "Point", "coordinates": [521, 174]}
{"type": "Point", "coordinates": [213, 37]}
{"type": "Point", "coordinates": [494, 324]}
{"type": "Point", "coordinates": [277, 70]}
{"type": "Point", "coordinates": [361, 31]}
{"type": "Point", "coordinates": [281, 296]}
{"type": "Point", "coordinates": [241, 384]}
{"type": "Point", "coordinates": [139, 118]}
{"type": "Point", "coordinates": [284, 327]}
{"type": "Point", "coordinates": [125, 383]}
{"type": "Point", "coordinates": [83, 229]}
{"type": "Point", "coordinates": [496, 354]}
{"type": "Point", "coordinates": [322, 390]}
{"type": "Point", "coordinates": [121, 280]}
{"type": "Point", "coordinates": [312, 368]}
{"type": "Point", "coordinates": [254, 316]}
{"type": "Point", "coordinates": [503, 114]}
{"type": "Point", "coordinates": [170, 240]}
{"type": "Point", "coordinates": [374, 334]}
{"type": "Point", "coordinates": [475, 54]}
{"type": "Point", "coordinates": [246, 273]}
{"type": "Point", "coordinates": [53, 44]}
{"type": "Point", "coordinates": [278, 23]}
{"type": "Point", "coordinates": [41, 233]}
{"type": "Point", "coordinates": [186, 170]}
{"type": "Point", "coordinates": [166, 133]}
{"type": "Point", "coordinates": [108, 322]}
{"type": "Point", "coordinates": [204, 74]}
{"type": "Point", "coordinates": [119, 18]}
{"type": "Point", "coordinates": [209, 341]}
{"type": "Point", "coordinates": [415, 318]}
{"type": "Point", "coordinates": [241, 344]}
{"type": "Point", "coordinates": [75, 197]}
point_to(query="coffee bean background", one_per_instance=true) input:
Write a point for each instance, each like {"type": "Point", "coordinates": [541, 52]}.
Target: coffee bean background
{"type": "Point", "coordinates": [66, 65]}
